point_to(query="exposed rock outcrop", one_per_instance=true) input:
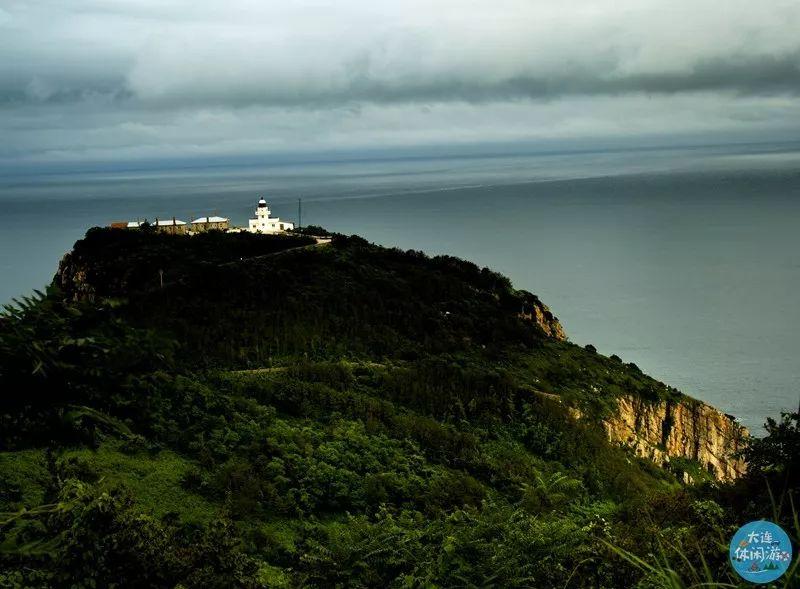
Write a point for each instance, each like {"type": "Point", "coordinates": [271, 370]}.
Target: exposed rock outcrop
{"type": "Point", "coordinates": [683, 428]}
{"type": "Point", "coordinates": [536, 311]}
{"type": "Point", "coordinates": [72, 279]}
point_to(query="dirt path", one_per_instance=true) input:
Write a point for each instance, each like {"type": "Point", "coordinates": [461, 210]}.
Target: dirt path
{"type": "Point", "coordinates": [318, 242]}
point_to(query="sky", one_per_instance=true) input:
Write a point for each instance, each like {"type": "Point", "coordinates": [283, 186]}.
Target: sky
{"type": "Point", "coordinates": [122, 80]}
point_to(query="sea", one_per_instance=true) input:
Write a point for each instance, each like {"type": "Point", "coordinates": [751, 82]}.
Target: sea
{"type": "Point", "coordinates": [683, 260]}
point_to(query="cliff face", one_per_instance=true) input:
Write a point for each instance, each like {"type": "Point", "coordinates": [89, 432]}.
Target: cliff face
{"type": "Point", "coordinates": [72, 278]}
{"type": "Point", "coordinates": [679, 429]}
{"type": "Point", "coordinates": [536, 311]}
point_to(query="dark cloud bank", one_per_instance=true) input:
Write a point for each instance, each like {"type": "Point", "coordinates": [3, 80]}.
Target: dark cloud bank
{"type": "Point", "coordinates": [85, 81]}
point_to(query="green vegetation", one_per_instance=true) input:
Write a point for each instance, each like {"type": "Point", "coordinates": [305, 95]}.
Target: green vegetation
{"type": "Point", "coordinates": [281, 414]}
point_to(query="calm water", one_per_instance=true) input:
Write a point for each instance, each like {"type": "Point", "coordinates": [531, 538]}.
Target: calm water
{"type": "Point", "coordinates": [686, 262]}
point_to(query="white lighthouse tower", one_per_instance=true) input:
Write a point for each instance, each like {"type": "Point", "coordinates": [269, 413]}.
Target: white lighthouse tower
{"type": "Point", "coordinates": [264, 223]}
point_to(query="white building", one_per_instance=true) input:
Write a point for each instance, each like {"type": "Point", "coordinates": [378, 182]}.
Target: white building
{"type": "Point", "coordinates": [264, 223]}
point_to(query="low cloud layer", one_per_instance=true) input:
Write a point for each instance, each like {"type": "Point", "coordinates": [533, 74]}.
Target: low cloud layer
{"type": "Point", "coordinates": [104, 79]}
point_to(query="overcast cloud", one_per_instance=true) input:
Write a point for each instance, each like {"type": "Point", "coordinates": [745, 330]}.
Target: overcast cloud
{"type": "Point", "coordinates": [118, 79]}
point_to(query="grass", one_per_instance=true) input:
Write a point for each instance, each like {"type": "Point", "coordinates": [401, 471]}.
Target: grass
{"type": "Point", "coordinates": [154, 479]}
{"type": "Point", "coordinates": [23, 479]}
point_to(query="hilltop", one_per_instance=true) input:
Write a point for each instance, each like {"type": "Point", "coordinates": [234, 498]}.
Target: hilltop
{"type": "Point", "coordinates": [247, 410]}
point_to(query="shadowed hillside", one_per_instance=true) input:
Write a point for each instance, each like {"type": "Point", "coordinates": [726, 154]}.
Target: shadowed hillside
{"type": "Point", "coordinates": [239, 410]}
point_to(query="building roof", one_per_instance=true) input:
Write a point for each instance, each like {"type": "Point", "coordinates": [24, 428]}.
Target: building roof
{"type": "Point", "coordinates": [170, 222]}
{"type": "Point", "coordinates": [210, 220]}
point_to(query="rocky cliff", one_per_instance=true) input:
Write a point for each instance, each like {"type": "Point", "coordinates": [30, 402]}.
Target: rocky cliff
{"type": "Point", "coordinates": [72, 278]}
{"type": "Point", "coordinates": [679, 429]}
{"type": "Point", "coordinates": [536, 311]}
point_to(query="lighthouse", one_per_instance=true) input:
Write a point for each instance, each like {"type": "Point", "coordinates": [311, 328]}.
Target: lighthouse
{"type": "Point", "coordinates": [265, 223]}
